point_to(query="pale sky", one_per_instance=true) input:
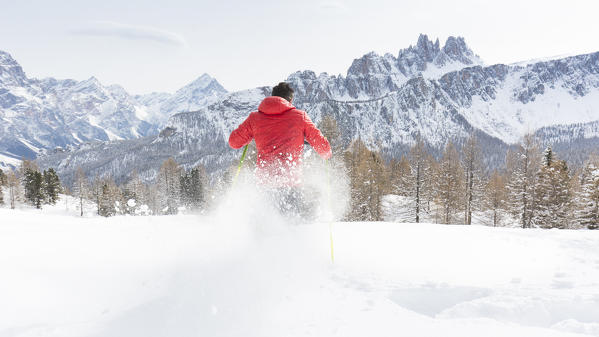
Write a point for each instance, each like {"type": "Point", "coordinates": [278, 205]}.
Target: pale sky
{"type": "Point", "coordinates": [156, 45]}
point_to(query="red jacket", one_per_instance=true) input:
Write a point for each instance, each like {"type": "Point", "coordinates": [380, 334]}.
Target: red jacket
{"type": "Point", "coordinates": [279, 130]}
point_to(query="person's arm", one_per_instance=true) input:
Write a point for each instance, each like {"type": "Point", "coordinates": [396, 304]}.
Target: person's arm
{"type": "Point", "coordinates": [242, 135]}
{"type": "Point", "coordinates": [318, 142]}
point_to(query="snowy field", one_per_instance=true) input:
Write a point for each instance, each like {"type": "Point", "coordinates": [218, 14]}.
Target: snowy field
{"type": "Point", "coordinates": [191, 275]}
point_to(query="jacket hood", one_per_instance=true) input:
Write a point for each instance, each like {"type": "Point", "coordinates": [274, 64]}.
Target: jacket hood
{"type": "Point", "coordinates": [273, 105]}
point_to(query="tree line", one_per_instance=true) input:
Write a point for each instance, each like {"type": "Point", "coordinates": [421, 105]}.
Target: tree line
{"type": "Point", "coordinates": [534, 189]}
{"type": "Point", "coordinates": [30, 185]}
{"type": "Point", "coordinates": [174, 190]}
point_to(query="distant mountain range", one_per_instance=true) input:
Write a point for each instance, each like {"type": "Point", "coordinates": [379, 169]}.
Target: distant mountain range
{"type": "Point", "coordinates": [439, 93]}
{"type": "Point", "coordinates": [42, 115]}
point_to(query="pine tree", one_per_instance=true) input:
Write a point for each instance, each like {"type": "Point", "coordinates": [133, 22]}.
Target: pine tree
{"type": "Point", "coordinates": [192, 188]}
{"type": "Point", "coordinates": [523, 166]}
{"type": "Point", "coordinates": [32, 182]}
{"type": "Point", "coordinates": [110, 201]}
{"type": "Point", "coordinates": [547, 159]}
{"type": "Point", "coordinates": [2, 178]}
{"type": "Point", "coordinates": [449, 185]}
{"type": "Point", "coordinates": [185, 187]}
{"type": "Point", "coordinates": [562, 196]}
{"type": "Point", "coordinates": [198, 181]}
{"type": "Point", "coordinates": [552, 193]}
{"type": "Point", "coordinates": [51, 186]}
{"type": "Point", "coordinates": [378, 184]}
{"type": "Point", "coordinates": [3, 183]}
{"type": "Point", "coordinates": [587, 199]}
{"type": "Point", "coordinates": [106, 208]}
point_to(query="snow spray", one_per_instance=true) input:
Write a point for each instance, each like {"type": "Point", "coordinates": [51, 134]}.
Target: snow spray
{"type": "Point", "coordinates": [249, 207]}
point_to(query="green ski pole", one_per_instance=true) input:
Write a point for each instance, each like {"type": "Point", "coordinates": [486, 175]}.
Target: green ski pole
{"type": "Point", "coordinates": [327, 164]}
{"type": "Point", "coordinates": [245, 150]}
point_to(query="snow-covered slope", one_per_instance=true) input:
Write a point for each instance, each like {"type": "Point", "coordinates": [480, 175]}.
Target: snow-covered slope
{"type": "Point", "coordinates": [42, 115]}
{"type": "Point", "coordinates": [240, 274]}
{"type": "Point", "coordinates": [508, 101]}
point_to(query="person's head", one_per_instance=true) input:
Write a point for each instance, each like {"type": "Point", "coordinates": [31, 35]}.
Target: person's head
{"type": "Point", "coordinates": [283, 90]}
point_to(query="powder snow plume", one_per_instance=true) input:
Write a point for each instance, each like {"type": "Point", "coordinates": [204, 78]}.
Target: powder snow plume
{"type": "Point", "coordinates": [325, 189]}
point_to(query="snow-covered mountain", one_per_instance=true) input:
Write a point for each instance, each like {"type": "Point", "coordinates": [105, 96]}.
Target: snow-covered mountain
{"type": "Point", "coordinates": [197, 94]}
{"type": "Point", "coordinates": [373, 76]}
{"type": "Point", "coordinates": [41, 115]}
{"type": "Point", "coordinates": [437, 93]}
{"type": "Point", "coordinates": [191, 138]}
{"type": "Point", "coordinates": [503, 101]}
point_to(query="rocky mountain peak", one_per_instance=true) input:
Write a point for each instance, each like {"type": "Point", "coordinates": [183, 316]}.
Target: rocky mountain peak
{"type": "Point", "coordinates": [203, 83]}
{"type": "Point", "coordinates": [92, 84]}
{"type": "Point", "coordinates": [456, 49]}
{"type": "Point", "coordinates": [426, 48]}
{"type": "Point", "coordinates": [6, 60]}
{"type": "Point", "coordinates": [11, 72]}
{"type": "Point", "coordinates": [302, 75]}
{"type": "Point", "coordinates": [373, 75]}
{"type": "Point", "coordinates": [117, 90]}
{"type": "Point", "coordinates": [369, 64]}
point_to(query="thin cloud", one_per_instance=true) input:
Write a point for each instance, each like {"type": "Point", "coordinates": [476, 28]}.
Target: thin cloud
{"type": "Point", "coordinates": [333, 5]}
{"type": "Point", "coordinates": [131, 32]}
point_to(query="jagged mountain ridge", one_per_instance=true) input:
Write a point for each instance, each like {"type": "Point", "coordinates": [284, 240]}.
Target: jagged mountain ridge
{"type": "Point", "coordinates": [387, 111]}
{"type": "Point", "coordinates": [373, 76]}
{"type": "Point", "coordinates": [42, 115]}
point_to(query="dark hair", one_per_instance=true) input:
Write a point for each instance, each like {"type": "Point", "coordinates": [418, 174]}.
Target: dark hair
{"type": "Point", "coordinates": [283, 90]}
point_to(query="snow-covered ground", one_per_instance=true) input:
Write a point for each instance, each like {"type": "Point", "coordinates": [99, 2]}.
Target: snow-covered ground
{"type": "Point", "coordinates": [246, 274]}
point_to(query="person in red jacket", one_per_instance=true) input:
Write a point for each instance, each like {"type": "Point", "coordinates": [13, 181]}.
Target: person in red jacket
{"type": "Point", "coordinates": [279, 130]}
